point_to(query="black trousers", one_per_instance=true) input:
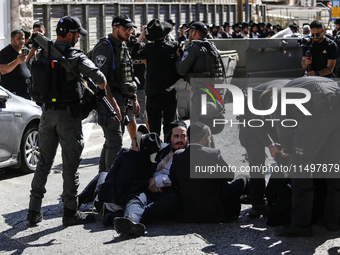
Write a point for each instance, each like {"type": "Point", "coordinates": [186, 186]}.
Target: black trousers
{"type": "Point", "coordinates": [165, 103]}
{"type": "Point", "coordinates": [256, 157]}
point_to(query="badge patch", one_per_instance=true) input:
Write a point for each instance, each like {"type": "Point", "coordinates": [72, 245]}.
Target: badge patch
{"type": "Point", "coordinates": [100, 60]}
{"type": "Point", "coordinates": [185, 54]}
{"type": "Point", "coordinates": [88, 62]}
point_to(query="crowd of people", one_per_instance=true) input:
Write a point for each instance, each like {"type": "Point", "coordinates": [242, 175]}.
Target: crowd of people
{"type": "Point", "coordinates": [152, 179]}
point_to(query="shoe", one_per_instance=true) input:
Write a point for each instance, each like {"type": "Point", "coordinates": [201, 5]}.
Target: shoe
{"type": "Point", "coordinates": [129, 226]}
{"type": "Point", "coordinates": [332, 226]}
{"type": "Point", "coordinates": [257, 210]}
{"type": "Point", "coordinates": [253, 213]}
{"type": "Point", "coordinates": [78, 218]}
{"type": "Point", "coordinates": [33, 217]}
{"type": "Point", "coordinates": [294, 231]}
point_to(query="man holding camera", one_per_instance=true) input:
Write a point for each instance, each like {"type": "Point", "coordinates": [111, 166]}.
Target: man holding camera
{"type": "Point", "coordinates": [15, 75]}
{"type": "Point", "coordinates": [113, 59]}
{"type": "Point", "coordinates": [319, 58]}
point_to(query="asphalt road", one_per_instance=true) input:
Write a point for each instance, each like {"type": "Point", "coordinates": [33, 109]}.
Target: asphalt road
{"type": "Point", "coordinates": [244, 236]}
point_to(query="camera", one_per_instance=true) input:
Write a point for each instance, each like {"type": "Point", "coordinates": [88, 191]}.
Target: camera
{"type": "Point", "coordinates": [25, 51]}
{"type": "Point", "coordinates": [306, 41]}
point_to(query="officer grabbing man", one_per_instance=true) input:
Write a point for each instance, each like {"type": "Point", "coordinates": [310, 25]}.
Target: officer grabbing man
{"type": "Point", "coordinates": [113, 59]}
{"type": "Point", "coordinates": [61, 123]}
{"type": "Point", "coordinates": [323, 53]}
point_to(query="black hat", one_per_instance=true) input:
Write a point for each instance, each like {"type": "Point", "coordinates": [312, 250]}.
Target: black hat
{"type": "Point", "coordinates": [254, 25]}
{"type": "Point", "coordinates": [171, 22]}
{"type": "Point", "coordinates": [262, 24]}
{"type": "Point", "coordinates": [200, 26]}
{"type": "Point", "coordinates": [148, 143]}
{"type": "Point", "coordinates": [235, 25]}
{"type": "Point", "coordinates": [293, 27]}
{"type": "Point", "coordinates": [226, 24]}
{"type": "Point", "coordinates": [244, 25]}
{"type": "Point", "coordinates": [269, 25]}
{"type": "Point", "coordinates": [123, 20]}
{"type": "Point", "coordinates": [183, 25]}
{"type": "Point", "coordinates": [157, 30]}
{"type": "Point", "coordinates": [70, 24]}
{"type": "Point", "coordinates": [337, 22]}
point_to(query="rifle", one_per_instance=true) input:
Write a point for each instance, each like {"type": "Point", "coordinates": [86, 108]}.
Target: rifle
{"type": "Point", "coordinates": [47, 45]}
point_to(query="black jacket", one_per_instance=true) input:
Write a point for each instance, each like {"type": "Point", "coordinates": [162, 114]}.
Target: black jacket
{"type": "Point", "coordinates": [161, 60]}
{"type": "Point", "coordinates": [203, 200]}
{"type": "Point", "coordinates": [128, 176]}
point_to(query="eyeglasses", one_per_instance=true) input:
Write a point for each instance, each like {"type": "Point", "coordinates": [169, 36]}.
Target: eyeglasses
{"type": "Point", "coordinates": [127, 30]}
{"type": "Point", "coordinates": [315, 35]}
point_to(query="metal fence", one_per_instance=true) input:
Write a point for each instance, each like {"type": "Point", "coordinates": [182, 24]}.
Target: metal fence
{"type": "Point", "coordinates": [96, 18]}
{"type": "Point", "coordinates": [141, 1]}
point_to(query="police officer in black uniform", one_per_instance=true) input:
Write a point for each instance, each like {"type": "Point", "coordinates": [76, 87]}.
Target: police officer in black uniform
{"type": "Point", "coordinates": [201, 60]}
{"type": "Point", "coordinates": [61, 123]}
{"type": "Point", "coordinates": [113, 59]}
{"type": "Point", "coordinates": [255, 140]}
{"type": "Point", "coordinates": [323, 53]}
{"type": "Point", "coordinates": [314, 140]}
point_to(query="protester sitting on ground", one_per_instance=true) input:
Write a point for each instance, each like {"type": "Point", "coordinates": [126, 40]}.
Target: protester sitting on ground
{"type": "Point", "coordinates": [160, 201]}
{"type": "Point", "coordinates": [128, 176]}
{"type": "Point", "coordinates": [205, 200]}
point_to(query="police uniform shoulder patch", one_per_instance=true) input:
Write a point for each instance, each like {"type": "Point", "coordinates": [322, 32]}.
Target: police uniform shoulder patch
{"type": "Point", "coordinates": [185, 54]}
{"type": "Point", "coordinates": [89, 63]}
{"type": "Point", "coordinates": [100, 60]}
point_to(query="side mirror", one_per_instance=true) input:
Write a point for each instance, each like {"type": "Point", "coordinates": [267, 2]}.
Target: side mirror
{"type": "Point", "coordinates": [3, 98]}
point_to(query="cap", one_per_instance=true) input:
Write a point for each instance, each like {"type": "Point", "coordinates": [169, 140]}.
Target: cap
{"type": "Point", "coordinates": [200, 26]}
{"type": "Point", "coordinates": [70, 24]}
{"type": "Point", "coordinates": [122, 20]}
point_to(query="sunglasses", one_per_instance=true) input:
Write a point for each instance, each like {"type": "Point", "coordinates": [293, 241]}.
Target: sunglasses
{"type": "Point", "coordinates": [316, 35]}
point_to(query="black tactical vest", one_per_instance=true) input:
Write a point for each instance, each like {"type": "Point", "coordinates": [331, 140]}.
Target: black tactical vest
{"type": "Point", "coordinates": [213, 61]}
{"type": "Point", "coordinates": [51, 83]}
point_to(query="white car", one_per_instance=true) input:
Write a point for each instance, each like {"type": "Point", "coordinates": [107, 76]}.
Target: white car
{"type": "Point", "coordinates": [19, 124]}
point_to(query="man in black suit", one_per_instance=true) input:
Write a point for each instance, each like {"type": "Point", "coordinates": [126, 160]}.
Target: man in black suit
{"type": "Point", "coordinates": [161, 74]}
{"type": "Point", "coordinates": [159, 200]}
{"type": "Point", "coordinates": [204, 197]}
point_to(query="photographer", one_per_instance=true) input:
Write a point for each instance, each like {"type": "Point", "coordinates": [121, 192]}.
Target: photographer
{"type": "Point", "coordinates": [319, 53]}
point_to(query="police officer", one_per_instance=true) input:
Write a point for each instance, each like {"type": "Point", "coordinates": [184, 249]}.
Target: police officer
{"type": "Point", "coordinates": [323, 53]}
{"type": "Point", "coordinates": [255, 140]}
{"type": "Point", "coordinates": [200, 59]}
{"type": "Point", "coordinates": [61, 123]}
{"type": "Point", "coordinates": [314, 140]}
{"type": "Point", "coordinates": [113, 59]}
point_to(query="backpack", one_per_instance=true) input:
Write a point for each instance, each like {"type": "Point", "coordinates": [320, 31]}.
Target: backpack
{"type": "Point", "coordinates": [49, 84]}
{"type": "Point", "coordinates": [44, 72]}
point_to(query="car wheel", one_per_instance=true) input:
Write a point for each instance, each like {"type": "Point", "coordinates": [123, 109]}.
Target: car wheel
{"type": "Point", "coordinates": [29, 150]}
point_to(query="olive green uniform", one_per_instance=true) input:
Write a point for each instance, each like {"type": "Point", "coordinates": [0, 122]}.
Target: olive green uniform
{"type": "Point", "coordinates": [61, 123]}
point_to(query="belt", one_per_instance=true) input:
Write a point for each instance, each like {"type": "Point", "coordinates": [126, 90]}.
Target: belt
{"type": "Point", "coordinates": [57, 107]}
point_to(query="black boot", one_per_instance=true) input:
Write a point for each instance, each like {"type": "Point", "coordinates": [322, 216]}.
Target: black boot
{"type": "Point", "coordinates": [73, 217]}
{"type": "Point", "coordinates": [129, 226]}
{"type": "Point", "coordinates": [33, 217]}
